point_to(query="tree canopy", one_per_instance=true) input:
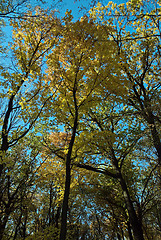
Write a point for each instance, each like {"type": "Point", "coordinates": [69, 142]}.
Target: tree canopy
{"type": "Point", "coordinates": [80, 127]}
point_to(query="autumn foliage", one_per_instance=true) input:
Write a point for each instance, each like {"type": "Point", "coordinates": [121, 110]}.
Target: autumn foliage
{"type": "Point", "coordinates": [80, 152]}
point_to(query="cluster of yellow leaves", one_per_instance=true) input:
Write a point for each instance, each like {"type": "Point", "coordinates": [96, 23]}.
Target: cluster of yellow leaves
{"type": "Point", "coordinates": [84, 64]}
{"type": "Point", "coordinates": [32, 40]}
{"type": "Point", "coordinates": [137, 48]}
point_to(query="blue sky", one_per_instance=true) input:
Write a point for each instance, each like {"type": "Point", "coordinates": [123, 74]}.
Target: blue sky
{"type": "Point", "coordinates": [75, 6]}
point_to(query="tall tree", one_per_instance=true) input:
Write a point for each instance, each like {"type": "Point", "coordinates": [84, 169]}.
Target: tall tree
{"type": "Point", "coordinates": [139, 51]}
{"type": "Point", "coordinates": [81, 78]}
{"type": "Point", "coordinates": [20, 89]}
{"type": "Point", "coordinates": [99, 79]}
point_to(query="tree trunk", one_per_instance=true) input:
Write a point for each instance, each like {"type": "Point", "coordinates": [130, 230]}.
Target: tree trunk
{"type": "Point", "coordinates": [2, 228]}
{"type": "Point", "coordinates": [3, 225]}
{"type": "Point", "coordinates": [156, 141]}
{"type": "Point", "coordinates": [129, 231]}
{"type": "Point", "coordinates": [118, 236]}
{"type": "Point", "coordinates": [63, 229]}
{"type": "Point", "coordinates": [65, 201]}
{"type": "Point", "coordinates": [17, 226]}
{"type": "Point", "coordinates": [57, 216]}
{"type": "Point", "coordinates": [133, 219]}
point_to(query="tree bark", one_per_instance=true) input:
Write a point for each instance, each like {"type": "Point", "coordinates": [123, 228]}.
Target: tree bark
{"type": "Point", "coordinates": [129, 231]}
{"type": "Point", "coordinates": [156, 141]}
{"type": "Point", "coordinates": [63, 230]}
{"type": "Point", "coordinates": [133, 219]}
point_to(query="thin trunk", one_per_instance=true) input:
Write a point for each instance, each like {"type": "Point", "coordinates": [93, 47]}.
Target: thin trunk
{"type": "Point", "coordinates": [118, 236]}
{"type": "Point", "coordinates": [2, 228]}
{"type": "Point", "coordinates": [57, 216]}
{"type": "Point", "coordinates": [17, 226]}
{"type": "Point", "coordinates": [25, 224]}
{"type": "Point", "coordinates": [122, 233]}
{"type": "Point", "coordinates": [65, 201]}
{"type": "Point", "coordinates": [50, 206]}
{"type": "Point", "coordinates": [156, 141]}
{"type": "Point", "coordinates": [134, 221]}
{"type": "Point", "coordinates": [129, 231]}
{"type": "Point", "coordinates": [63, 230]}
{"type": "Point", "coordinates": [3, 223]}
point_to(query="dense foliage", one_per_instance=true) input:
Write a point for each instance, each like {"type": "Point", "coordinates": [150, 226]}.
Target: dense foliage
{"type": "Point", "coordinates": [80, 106]}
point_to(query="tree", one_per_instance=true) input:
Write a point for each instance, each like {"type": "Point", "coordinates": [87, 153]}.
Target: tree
{"type": "Point", "coordinates": [17, 186]}
{"type": "Point", "coordinates": [115, 147]}
{"type": "Point", "coordinates": [99, 82]}
{"type": "Point", "coordinates": [139, 51]}
{"type": "Point", "coordinates": [20, 89]}
{"type": "Point", "coordinates": [80, 80]}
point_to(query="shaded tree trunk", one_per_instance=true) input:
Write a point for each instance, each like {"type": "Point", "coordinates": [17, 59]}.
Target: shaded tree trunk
{"type": "Point", "coordinates": [3, 222]}
{"type": "Point", "coordinates": [57, 216]}
{"type": "Point", "coordinates": [118, 236]}
{"type": "Point", "coordinates": [2, 228]}
{"type": "Point", "coordinates": [133, 219]}
{"type": "Point", "coordinates": [129, 231]}
{"type": "Point", "coordinates": [63, 230]}
{"type": "Point", "coordinates": [17, 226]}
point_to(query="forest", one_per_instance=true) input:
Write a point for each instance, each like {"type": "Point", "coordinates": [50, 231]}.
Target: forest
{"type": "Point", "coordinates": [80, 120]}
